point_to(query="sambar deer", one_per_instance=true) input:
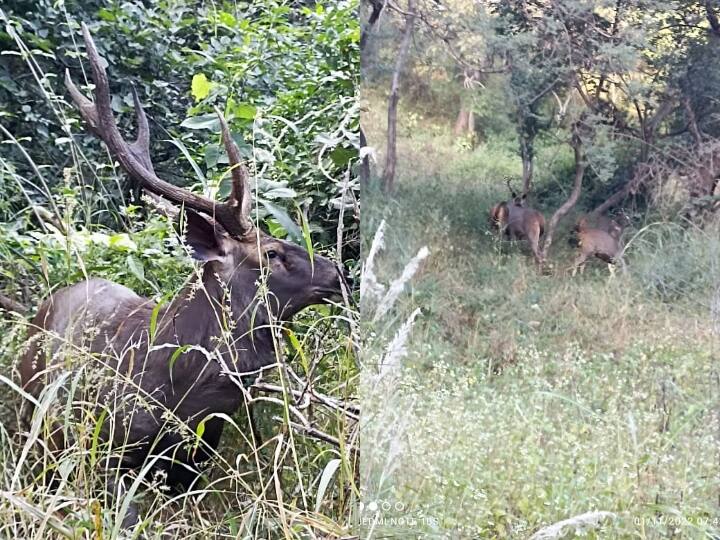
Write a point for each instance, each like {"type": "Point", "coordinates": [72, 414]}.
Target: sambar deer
{"type": "Point", "coordinates": [516, 220]}
{"type": "Point", "coordinates": [596, 242]}
{"type": "Point", "coordinates": [153, 384]}
{"type": "Point", "coordinates": [614, 226]}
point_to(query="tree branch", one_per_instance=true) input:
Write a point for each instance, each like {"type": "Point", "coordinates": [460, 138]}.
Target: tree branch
{"type": "Point", "coordinates": [580, 165]}
{"type": "Point", "coordinates": [8, 304]}
{"type": "Point", "coordinates": [712, 17]}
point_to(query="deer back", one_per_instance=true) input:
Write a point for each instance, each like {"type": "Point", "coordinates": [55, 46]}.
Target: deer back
{"type": "Point", "coordinates": [597, 242]}
{"type": "Point", "coordinates": [524, 221]}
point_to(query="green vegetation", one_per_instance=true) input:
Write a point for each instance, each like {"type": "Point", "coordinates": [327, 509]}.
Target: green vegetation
{"type": "Point", "coordinates": [525, 399]}
{"type": "Point", "coordinates": [285, 76]}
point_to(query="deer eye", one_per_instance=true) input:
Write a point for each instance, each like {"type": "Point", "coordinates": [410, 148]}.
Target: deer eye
{"type": "Point", "coordinates": [271, 254]}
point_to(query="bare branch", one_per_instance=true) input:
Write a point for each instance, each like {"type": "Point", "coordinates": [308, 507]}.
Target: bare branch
{"type": "Point", "coordinates": [8, 304]}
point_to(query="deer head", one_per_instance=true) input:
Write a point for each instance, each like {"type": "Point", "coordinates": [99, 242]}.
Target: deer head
{"type": "Point", "coordinates": [221, 235]}
{"type": "Point", "coordinates": [515, 199]}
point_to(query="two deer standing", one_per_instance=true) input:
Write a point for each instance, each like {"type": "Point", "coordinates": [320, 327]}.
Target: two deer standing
{"type": "Point", "coordinates": [516, 220]}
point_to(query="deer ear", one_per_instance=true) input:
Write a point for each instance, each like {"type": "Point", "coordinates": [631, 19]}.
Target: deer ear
{"type": "Point", "coordinates": [203, 237]}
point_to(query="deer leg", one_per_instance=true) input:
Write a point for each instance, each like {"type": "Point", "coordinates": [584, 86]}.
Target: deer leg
{"type": "Point", "coordinates": [186, 466]}
{"type": "Point", "coordinates": [623, 266]}
{"type": "Point", "coordinates": [580, 260]}
{"type": "Point", "coordinates": [534, 239]}
{"type": "Point", "coordinates": [538, 256]}
{"type": "Point", "coordinates": [254, 430]}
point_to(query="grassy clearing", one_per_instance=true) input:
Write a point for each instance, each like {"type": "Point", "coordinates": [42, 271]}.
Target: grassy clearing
{"type": "Point", "coordinates": [526, 399]}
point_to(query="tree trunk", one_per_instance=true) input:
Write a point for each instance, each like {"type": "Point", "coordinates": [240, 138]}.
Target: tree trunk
{"type": "Point", "coordinates": [614, 199]}
{"type": "Point", "coordinates": [526, 152]}
{"type": "Point", "coordinates": [364, 172]}
{"type": "Point", "coordinates": [376, 7]}
{"type": "Point", "coordinates": [574, 195]}
{"type": "Point", "coordinates": [461, 122]}
{"type": "Point", "coordinates": [712, 17]}
{"type": "Point", "coordinates": [652, 124]}
{"type": "Point", "coordinates": [650, 132]}
{"type": "Point", "coordinates": [391, 154]}
{"type": "Point", "coordinates": [692, 122]}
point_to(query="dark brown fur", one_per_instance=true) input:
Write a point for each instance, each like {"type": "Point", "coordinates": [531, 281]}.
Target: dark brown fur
{"type": "Point", "coordinates": [218, 327]}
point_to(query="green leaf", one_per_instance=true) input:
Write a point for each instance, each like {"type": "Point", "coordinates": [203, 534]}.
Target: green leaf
{"type": "Point", "coordinates": [264, 156]}
{"type": "Point", "coordinates": [193, 164]}
{"type": "Point", "coordinates": [280, 193]}
{"type": "Point", "coordinates": [96, 437]}
{"type": "Point", "coordinates": [227, 18]}
{"type": "Point", "coordinates": [283, 219]}
{"type": "Point", "coordinates": [275, 229]}
{"type": "Point", "coordinates": [295, 342]}
{"type": "Point", "coordinates": [245, 111]}
{"type": "Point", "coordinates": [153, 319]}
{"type": "Point", "coordinates": [200, 86]}
{"type": "Point", "coordinates": [122, 242]}
{"type": "Point", "coordinates": [106, 15]}
{"type": "Point", "coordinates": [203, 121]}
{"type": "Point", "coordinates": [136, 267]}
{"type": "Point", "coordinates": [306, 234]}
{"type": "Point", "coordinates": [342, 156]}
{"type": "Point", "coordinates": [180, 350]}
{"type": "Point", "coordinates": [212, 153]}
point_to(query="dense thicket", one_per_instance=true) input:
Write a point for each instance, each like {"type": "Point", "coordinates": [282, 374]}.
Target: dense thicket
{"type": "Point", "coordinates": [285, 76]}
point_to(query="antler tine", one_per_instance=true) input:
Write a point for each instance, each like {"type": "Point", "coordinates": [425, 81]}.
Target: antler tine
{"type": "Point", "coordinates": [141, 146]}
{"type": "Point", "coordinates": [512, 191]}
{"type": "Point", "coordinates": [102, 87]}
{"type": "Point", "coordinates": [135, 158]}
{"type": "Point", "coordinates": [86, 107]}
{"type": "Point", "coordinates": [240, 196]}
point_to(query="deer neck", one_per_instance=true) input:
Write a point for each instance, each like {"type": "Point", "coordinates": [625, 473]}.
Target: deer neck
{"type": "Point", "coordinates": [226, 320]}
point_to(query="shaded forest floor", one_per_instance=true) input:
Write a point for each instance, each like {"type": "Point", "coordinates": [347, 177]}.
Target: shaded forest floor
{"type": "Point", "coordinates": [528, 399]}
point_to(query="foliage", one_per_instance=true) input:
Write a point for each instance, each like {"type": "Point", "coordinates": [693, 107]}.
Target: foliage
{"type": "Point", "coordinates": [290, 105]}
{"type": "Point", "coordinates": [638, 70]}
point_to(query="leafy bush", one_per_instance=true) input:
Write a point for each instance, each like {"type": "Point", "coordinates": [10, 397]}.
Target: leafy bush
{"type": "Point", "coordinates": [291, 106]}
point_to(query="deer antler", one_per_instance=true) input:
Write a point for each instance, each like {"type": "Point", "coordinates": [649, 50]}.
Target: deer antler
{"type": "Point", "coordinates": [135, 159]}
{"type": "Point", "coordinates": [240, 196]}
{"type": "Point", "coordinates": [512, 191]}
